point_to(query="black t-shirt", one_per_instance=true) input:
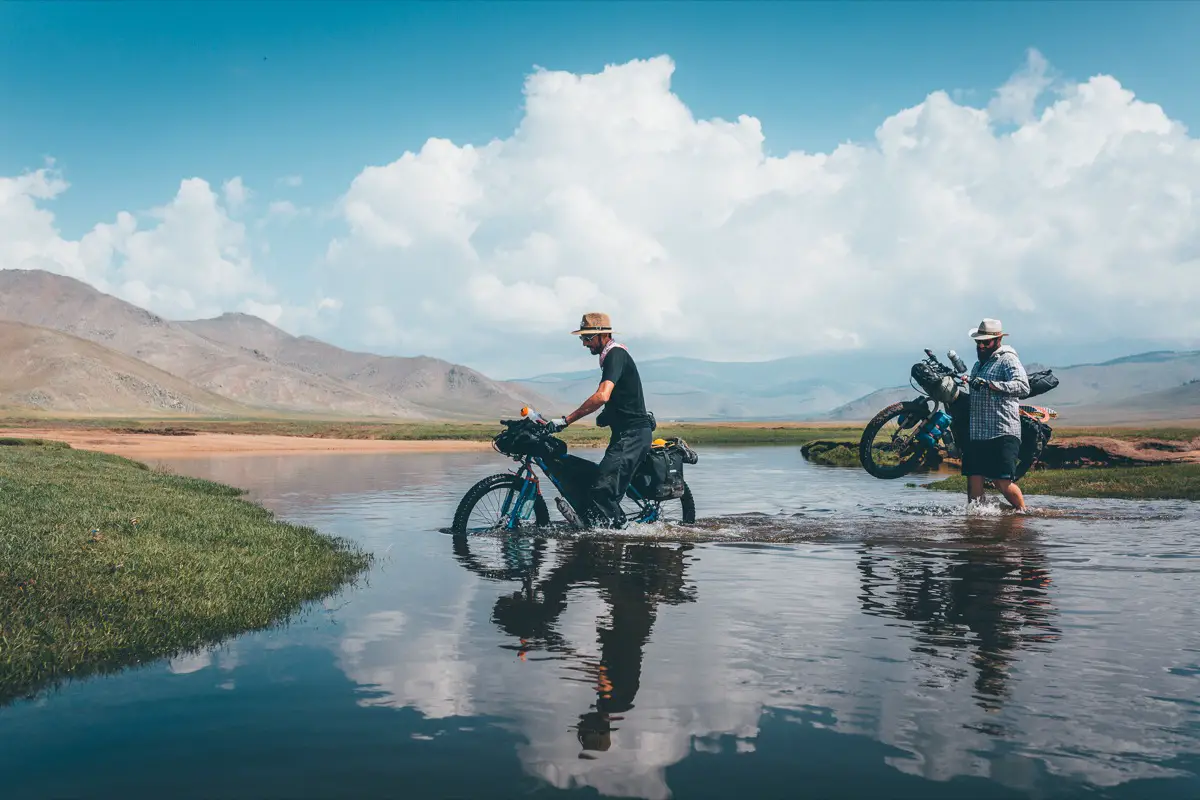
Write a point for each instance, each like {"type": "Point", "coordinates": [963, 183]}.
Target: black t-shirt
{"type": "Point", "coordinates": [626, 406]}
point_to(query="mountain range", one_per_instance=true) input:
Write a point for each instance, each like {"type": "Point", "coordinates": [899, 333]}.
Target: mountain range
{"type": "Point", "coordinates": [846, 387]}
{"type": "Point", "coordinates": [78, 349]}
{"type": "Point", "coordinates": [68, 348]}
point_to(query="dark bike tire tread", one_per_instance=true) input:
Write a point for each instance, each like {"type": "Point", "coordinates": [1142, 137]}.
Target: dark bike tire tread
{"type": "Point", "coordinates": [689, 504]}
{"type": "Point", "coordinates": [477, 492]}
{"type": "Point", "coordinates": [866, 446]}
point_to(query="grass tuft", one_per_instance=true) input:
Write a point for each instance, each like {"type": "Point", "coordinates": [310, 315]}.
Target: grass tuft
{"type": "Point", "coordinates": [11, 441]}
{"type": "Point", "coordinates": [832, 453]}
{"type": "Point", "coordinates": [105, 563]}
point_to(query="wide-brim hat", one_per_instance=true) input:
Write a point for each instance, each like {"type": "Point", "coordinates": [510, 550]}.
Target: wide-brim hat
{"type": "Point", "coordinates": [988, 329]}
{"type": "Point", "coordinates": [594, 322]}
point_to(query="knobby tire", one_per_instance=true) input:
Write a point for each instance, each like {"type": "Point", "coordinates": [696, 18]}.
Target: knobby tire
{"type": "Point", "coordinates": [689, 504]}
{"type": "Point", "coordinates": [866, 450]}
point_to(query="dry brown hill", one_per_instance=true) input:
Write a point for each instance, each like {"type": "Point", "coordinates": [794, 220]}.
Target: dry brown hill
{"type": "Point", "coordinates": [71, 306]}
{"type": "Point", "coordinates": [253, 363]}
{"type": "Point", "coordinates": [53, 371]}
{"type": "Point", "coordinates": [431, 384]}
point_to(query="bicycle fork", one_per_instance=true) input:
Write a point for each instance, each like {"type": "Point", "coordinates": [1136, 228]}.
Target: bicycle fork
{"type": "Point", "coordinates": [522, 509]}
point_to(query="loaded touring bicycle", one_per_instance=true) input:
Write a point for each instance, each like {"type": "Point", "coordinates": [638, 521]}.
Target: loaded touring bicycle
{"type": "Point", "coordinates": [510, 501]}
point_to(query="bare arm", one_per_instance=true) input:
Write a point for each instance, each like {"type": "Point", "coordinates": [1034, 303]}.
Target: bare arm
{"type": "Point", "coordinates": [598, 398]}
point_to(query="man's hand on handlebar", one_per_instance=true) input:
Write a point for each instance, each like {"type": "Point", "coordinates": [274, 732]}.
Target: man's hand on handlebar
{"type": "Point", "coordinates": [557, 424]}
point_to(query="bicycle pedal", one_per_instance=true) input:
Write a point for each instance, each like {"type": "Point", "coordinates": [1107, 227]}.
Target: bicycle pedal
{"type": "Point", "coordinates": [568, 513]}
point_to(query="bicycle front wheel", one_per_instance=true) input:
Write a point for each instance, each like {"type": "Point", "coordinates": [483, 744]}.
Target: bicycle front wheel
{"type": "Point", "coordinates": [489, 505]}
{"type": "Point", "coordinates": [885, 449]}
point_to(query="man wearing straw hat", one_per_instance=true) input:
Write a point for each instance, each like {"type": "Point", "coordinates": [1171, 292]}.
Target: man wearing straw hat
{"type": "Point", "coordinates": [620, 393]}
{"type": "Point", "coordinates": [998, 382]}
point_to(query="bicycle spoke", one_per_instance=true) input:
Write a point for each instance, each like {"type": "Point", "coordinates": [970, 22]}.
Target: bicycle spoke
{"type": "Point", "coordinates": [494, 510]}
{"type": "Point", "coordinates": [892, 445]}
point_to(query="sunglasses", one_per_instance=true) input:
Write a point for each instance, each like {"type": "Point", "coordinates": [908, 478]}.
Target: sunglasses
{"type": "Point", "coordinates": [588, 338]}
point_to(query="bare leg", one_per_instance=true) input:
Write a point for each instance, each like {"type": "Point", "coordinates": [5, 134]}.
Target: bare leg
{"type": "Point", "coordinates": [974, 488]}
{"type": "Point", "coordinates": [1012, 493]}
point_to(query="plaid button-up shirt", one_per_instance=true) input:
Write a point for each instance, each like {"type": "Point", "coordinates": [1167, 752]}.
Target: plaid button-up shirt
{"type": "Point", "coordinates": [996, 411]}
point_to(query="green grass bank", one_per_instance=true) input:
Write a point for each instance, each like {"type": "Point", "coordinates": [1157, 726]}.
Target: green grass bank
{"type": "Point", "coordinates": [581, 434]}
{"type": "Point", "coordinates": [1163, 482]}
{"type": "Point", "coordinates": [105, 563]}
{"type": "Point", "coordinates": [840, 453]}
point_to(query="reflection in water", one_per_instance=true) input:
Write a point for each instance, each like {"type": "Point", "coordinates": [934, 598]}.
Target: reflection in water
{"type": "Point", "coordinates": [895, 647]}
{"type": "Point", "coordinates": [989, 594]}
{"type": "Point", "coordinates": [632, 579]}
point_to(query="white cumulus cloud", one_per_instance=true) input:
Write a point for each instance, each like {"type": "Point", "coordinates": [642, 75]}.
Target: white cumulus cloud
{"type": "Point", "coordinates": [187, 258]}
{"type": "Point", "coordinates": [236, 193]}
{"type": "Point", "coordinates": [611, 195]}
{"type": "Point", "coordinates": [1066, 209]}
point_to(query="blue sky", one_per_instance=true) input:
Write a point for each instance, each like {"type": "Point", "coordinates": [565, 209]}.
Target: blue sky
{"type": "Point", "coordinates": [130, 98]}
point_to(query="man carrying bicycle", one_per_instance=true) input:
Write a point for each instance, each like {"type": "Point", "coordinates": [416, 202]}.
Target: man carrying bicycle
{"type": "Point", "coordinates": [620, 393]}
{"type": "Point", "coordinates": [998, 382]}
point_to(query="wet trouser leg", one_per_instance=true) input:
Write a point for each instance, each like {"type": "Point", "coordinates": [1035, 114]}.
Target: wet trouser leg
{"type": "Point", "coordinates": [625, 452]}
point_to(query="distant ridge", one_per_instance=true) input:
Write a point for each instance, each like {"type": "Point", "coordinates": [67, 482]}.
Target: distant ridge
{"type": "Point", "coordinates": [237, 364]}
{"type": "Point", "coordinates": [847, 386]}
{"type": "Point", "coordinates": [48, 370]}
{"type": "Point", "coordinates": [278, 373]}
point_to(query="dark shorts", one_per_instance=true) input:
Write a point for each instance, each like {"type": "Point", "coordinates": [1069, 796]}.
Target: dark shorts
{"type": "Point", "coordinates": [992, 458]}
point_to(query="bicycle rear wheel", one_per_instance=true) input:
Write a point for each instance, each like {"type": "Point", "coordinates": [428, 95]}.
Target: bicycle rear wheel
{"type": "Point", "coordinates": [682, 510]}
{"type": "Point", "coordinates": [487, 506]}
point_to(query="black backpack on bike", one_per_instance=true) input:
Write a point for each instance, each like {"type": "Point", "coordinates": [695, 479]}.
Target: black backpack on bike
{"type": "Point", "coordinates": [660, 476]}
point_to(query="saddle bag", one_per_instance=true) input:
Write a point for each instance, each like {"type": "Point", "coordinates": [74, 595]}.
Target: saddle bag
{"type": "Point", "coordinates": [660, 476]}
{"type": "Point", "coordinates": [1041, 382]}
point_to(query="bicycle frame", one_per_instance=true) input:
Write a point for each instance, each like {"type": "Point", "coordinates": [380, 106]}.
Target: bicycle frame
{"type": "Point", "coordinates": [531, 487]}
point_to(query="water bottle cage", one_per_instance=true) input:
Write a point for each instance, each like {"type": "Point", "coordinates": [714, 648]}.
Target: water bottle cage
{"type": "Point", "coordinates": [933, 429]}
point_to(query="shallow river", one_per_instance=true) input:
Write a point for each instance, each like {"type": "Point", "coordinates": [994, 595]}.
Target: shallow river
{"type": "Point", "coordinates": [895, 647]}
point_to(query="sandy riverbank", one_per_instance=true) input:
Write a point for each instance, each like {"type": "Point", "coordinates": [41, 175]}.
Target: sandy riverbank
{"type": "Point", "coordinates": [140, 446]}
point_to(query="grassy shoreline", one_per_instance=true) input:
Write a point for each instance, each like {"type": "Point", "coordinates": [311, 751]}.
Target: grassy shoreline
{"type": "Point", "coordinates": [583, 434]}
{"type": "Point", "coordinates": [1160, 482]}
{"type": "Point", "coordinates": [105, 563]}
{"type": "Point", "coordinates": [580, 435]}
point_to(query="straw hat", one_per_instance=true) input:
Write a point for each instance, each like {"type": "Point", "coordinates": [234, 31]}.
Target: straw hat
{"type": "Point", "coordinates": [988, 329]}
{"type": "Point", "coordinates": [593, 322]}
